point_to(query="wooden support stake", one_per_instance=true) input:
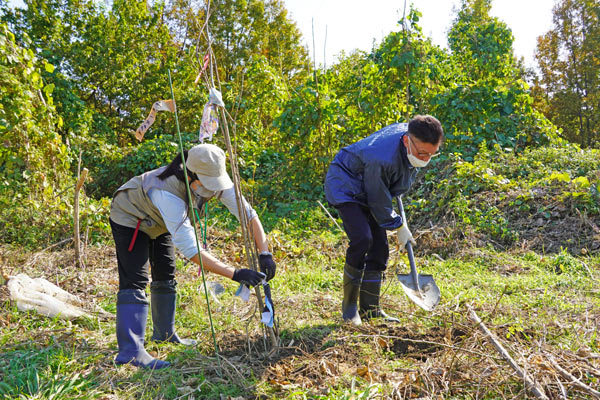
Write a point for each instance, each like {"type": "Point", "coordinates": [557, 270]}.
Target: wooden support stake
{"type": "Point", "coordinates": [529, 383]}
{"type": "Point", "coordinates": [80, 181]}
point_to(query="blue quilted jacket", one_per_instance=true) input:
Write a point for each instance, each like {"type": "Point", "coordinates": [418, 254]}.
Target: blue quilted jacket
{"type": "Point", "coordinates": [372, 172]}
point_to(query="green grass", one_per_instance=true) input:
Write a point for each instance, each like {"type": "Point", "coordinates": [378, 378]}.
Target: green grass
{"type": "Point", "coordinates": [524, 297]}
{"type": "Point", "coordinates": [50, 372]}
{"type": "Point", "coordinates": [512, 235]}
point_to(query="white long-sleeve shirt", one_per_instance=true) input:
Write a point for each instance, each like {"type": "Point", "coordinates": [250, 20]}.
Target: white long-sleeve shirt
{"type": "Point", "coordinates": [174, 212]}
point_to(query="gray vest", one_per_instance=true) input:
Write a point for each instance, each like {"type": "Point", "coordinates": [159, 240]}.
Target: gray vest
{"type": "Point", "coordinates": [131, 202]}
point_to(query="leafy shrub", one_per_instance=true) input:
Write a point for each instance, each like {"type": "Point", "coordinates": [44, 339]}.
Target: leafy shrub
{"type": "Point", "coordinates": [111, 166]}
{"type": "Point", "coordinates": [32, 155]}
{"type": "Point", "coordinates": [507, 195]}
{"type": "Point", "coordinates": [481, 218]}
{"type": "Point", "coordinates": [33, 222]}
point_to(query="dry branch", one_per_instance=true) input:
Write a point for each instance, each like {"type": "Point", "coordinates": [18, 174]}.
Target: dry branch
{"type": "Point", "coordinates": [573, 380]}
{"type": "Point", "coordinates": [330, 216]}
{"type": "Point", "coordinates": [529, 383]}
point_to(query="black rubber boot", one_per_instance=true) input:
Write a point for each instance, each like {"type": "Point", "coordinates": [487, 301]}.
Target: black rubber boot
{"type": "Point", "coordinates": [163, 296]}
{"type": "Point", "coordinates": [352, 279]}
{"type": "Point", "coordinates": [369, 297]}
{"type": "Point", "coordinates": [132, 311]}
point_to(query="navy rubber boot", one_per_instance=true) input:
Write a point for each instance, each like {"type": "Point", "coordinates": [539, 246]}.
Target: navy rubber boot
{"type": "Point", "coordinates": [132, 311]}
{"type": "Point", "coordinates": [370, 290]}
{"type": "Point", "coordinates": [352, 280]}
{"type": "Point", "coordinates": [163, 296]}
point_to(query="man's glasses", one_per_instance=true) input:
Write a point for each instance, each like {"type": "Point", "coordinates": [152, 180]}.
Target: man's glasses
{"type": "Point", "coordinates": [423, 154]}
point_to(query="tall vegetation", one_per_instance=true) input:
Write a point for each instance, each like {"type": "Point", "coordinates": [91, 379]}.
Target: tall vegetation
{"type": "Point", "coordinates": [30, 143]}
{"type": "Point", "coordinates": [570, 71]}
{"type": "Point", "coordinates": [101, 68]}
{"type": "Point", "coordinates": [476, 89]}
{"type": "Point", "coordinates": [34, 161]}
{"type": "Point", "coordinates": [487, 99]}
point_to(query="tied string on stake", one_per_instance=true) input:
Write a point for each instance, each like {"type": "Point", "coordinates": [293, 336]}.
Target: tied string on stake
{"type": "Point", "coordinates": [203, 227]}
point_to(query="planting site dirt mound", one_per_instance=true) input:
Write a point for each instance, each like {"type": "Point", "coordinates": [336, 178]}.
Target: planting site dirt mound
{"type": "Point", "coordinates": [578, 235]}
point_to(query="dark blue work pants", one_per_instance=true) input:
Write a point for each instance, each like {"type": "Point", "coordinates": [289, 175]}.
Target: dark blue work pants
{"type": "Point", "coordinates": [368, 248]}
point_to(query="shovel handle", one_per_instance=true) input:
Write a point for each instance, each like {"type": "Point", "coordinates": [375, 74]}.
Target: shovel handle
{"type": "Point", "coordinates": [409, 250]}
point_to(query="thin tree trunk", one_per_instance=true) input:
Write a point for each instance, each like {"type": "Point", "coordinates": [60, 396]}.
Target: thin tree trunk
{"type": "Point", "coordinates": [81, 178]}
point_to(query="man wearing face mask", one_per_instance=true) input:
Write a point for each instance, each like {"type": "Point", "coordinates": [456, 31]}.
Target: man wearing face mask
{"type": "Point", "coordinates": [361, 183]}
{"type": "Point", "coordinates": [149, 218]}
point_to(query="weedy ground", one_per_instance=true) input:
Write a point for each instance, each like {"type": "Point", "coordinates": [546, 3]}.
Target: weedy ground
{"type": "Point", "coordinates": [511, 238]}
{"type": "Point", "coordinates": [544, 308]}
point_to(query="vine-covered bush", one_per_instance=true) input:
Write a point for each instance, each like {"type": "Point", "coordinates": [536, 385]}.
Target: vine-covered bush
{"type": "Point", "coordinates": [544, 195]}
{"type": "Point", "coordinates": [32, 156]}
{"type": "Point", "coordinates": [36, 205]}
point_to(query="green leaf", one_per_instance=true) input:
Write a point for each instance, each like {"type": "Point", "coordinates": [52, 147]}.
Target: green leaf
{"type": "Point", "coordinates": [48, 89]}
{"type": "Point", "coordinates": [49, 67]}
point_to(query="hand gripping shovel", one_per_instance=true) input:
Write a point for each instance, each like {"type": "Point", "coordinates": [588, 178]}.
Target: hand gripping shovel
{"type": "Point", "coordinates": [421, 289]}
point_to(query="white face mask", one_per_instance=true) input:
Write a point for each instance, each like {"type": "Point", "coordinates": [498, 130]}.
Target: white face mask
{"type": "Point", "coordinates": [414, 161]}
{"type": "Point", "coordinates": [201, 191]}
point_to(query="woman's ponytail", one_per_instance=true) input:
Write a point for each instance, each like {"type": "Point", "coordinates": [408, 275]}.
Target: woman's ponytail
{"type": "Point", "coordinates": [175, 168]}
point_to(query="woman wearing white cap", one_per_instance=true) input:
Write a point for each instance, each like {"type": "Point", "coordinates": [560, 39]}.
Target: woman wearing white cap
{"type": "Point", "coordinates": [149, 218]}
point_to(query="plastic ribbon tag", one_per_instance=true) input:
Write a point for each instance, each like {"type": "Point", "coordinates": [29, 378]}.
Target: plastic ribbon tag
{"type": "Point", "coordinates": [243, 292]}
{"type": "Point", "coordinates": [210, 122]}
{"type": "Point", "coordinates": [210, 115]}
{"type": "Point", "coordinates": [206, 60]}
{"type": "Point", "coordinates": [268, 312]}
{"type": "Point", "coordinates": [161, 105]}
{"type": "Point", "coordinates": [215, 97]}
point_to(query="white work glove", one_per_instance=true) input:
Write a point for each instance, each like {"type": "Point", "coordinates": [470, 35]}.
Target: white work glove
{"type": "Point", "coordinates": [404, 236]}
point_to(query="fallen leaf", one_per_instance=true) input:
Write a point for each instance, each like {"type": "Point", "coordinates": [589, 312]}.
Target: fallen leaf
{"type": "Point", "coordinates": [327, 368]}
{"type": "Point", "coordinates": [365, 372]}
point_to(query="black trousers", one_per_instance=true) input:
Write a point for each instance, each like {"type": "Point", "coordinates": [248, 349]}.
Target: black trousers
{"type": "Point", "coordinates": [368, 248]}
{"type": "Point", "coordinates": [158, 255]}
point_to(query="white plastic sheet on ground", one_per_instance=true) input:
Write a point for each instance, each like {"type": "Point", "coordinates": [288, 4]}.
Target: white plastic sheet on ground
{"type": "Point", "coordinates": [44, 297]}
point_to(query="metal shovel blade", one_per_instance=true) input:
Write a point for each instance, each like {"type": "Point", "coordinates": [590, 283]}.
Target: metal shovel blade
{"type": "Point", "coordinates": [421, 289]}
{"type": "Point", "coordinates": [426, 295]}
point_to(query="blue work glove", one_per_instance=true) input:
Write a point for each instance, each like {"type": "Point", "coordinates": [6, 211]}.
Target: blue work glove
{"type": "Point", "coordinates": [267, 265]}
{"type": "Point", "coordinates": [248, 277]}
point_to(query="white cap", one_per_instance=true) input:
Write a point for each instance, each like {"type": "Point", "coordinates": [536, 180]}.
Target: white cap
{"type": "Point", "coordinates": [208, 162]}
